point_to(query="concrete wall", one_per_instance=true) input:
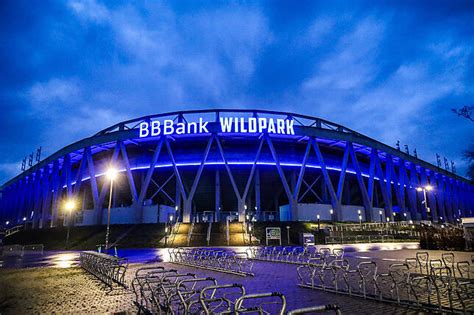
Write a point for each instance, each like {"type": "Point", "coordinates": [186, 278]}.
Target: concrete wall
{"type": "Point", "coordinates": [126, 215]}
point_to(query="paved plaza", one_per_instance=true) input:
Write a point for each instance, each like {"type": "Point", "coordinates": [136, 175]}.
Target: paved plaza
{"type": "Point", "coordinates": [72, 290]}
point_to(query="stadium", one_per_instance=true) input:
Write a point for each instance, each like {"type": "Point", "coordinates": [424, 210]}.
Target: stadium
{"type": "Point", "coordinates": [217, 165]}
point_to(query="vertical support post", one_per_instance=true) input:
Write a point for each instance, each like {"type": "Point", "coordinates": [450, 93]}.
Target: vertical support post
{"type": "Point", "coordinates": [258, 210]}
{"type": "Point", "coordinates": [217, 215]}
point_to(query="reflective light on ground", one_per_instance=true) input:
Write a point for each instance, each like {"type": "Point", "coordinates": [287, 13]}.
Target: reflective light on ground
{"type": "Point", "coordinates": [64, 260]}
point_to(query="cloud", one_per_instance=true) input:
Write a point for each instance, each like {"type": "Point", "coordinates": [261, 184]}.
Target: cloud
{"type": "Point", "coordinates": [388, 71]}
{"type": "Point", "coordinates": [90, 10]}
{"type": "Point", "coordinates": [43, 94]}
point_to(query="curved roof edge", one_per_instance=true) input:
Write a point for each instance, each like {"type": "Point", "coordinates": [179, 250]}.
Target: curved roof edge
{"type": "Point", "coordinates": [123, 130]}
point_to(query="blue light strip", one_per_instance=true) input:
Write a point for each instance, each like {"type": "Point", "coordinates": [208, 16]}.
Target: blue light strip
{"type": "Point", "coordinates": [233, 163]}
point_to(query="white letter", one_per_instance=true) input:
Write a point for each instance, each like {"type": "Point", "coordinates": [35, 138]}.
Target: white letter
{"type": "Point", "coordinates": [236, 124]}
{"type": "Point", "coordinates": [144, 129]}
{"type": "Point", "coordinates": [280, 126]}
{"type": "Point", "coordinates": [168, 127]}
{"type": "Point", "coordinates": [262, 124]}
{"type": "Point", "coordinates": [242, 125]}
{"type": "Point", "coordinates": [226, 124]}
{"type": "Point", "coordinates": [271, 126]}
{"type": "Point", "coordinates": [194, 126]}
{"type": "Point", "coordinates": [289, 127]}
{"type": "Point", "coordinates": [203, 127]}
{"type": "Point", "coordinates": [252, 124]}
{"type": "Point", "coordinates": [180, 128]}
{"type": "Point", "coordinates": [155, 128]}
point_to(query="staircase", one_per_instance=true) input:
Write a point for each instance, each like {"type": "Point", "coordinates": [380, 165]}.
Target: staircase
{"type": "Point", "coordinates": [179, 235]}
{"type": "Point", "coordinates": [237, 234]}
{"type": "Point", "coordinates": [199, 234]}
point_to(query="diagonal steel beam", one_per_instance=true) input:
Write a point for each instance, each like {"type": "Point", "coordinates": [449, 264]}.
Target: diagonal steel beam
{"type": "Point", "coordinates": [229, 172]}
{"type": "Point", "coordinates": [296, 192]}
{"type": "Point", "coordinates": [149, 173]}
{"type": "Point", "coordinates": [161, 187]}
{"type": "Point", "coordinates": [252, 171]}
{"type": "Point", "coordinates": [176, 171]}
{"type": "Point", "coordinates": [360, 180]}
{"type": "Point", "coordinates": [309, 187]}
{"type": "Point", "coordinates": [201, 168]}
{"type": "Point", "coordinates": [340, 186]}
{"type": "Point", "coordinates": [334, 201]}
{"type": "Point", "coordinates": [286, 186]}
{"type": "Point", "coordinates": [131, 182]}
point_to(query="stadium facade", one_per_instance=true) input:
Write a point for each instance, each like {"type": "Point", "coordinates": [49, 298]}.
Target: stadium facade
{"type": "Point", "coordinates": [219, 164]}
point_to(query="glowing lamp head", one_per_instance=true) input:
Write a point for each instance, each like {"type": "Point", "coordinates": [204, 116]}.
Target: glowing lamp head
{"type": "Point", "coordinates": [70, 205]}
{"type": "Point", "coordinates": [331, 211]}
{"type": "Point", "coordinates": [318, 216]}
{"type": "Point", "coordinates": [429, 187]}
{"type": "Point", "coordinates": [7, 223]}
{"type": "Point", "coordinates": [24, 219]}
{"type": "Point", "coordinates": [359, 212]}
{"type": "Point", "coordinates": [380, 212]}
{"type": "Point", "coordinates": [111, 173]}
{"type": "Point", "coordinates": [171, 218]}
{"type": "Point", "coordinates": [388, 219]}
{"type": "Point", "coordinates": [419, 189]}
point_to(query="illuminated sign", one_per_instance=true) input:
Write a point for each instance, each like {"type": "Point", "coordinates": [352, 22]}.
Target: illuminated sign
{"type": "Point", "coordinates": [225, 125]}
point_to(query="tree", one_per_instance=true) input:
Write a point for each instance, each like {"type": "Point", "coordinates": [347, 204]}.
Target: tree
{"type": "Point", "coordinates": [466, 112]}
{"type": "Point", "coordinates": [469, 155]}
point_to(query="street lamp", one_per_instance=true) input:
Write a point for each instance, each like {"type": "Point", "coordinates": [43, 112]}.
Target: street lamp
{"type": "Point", "coordinates": [359, 212]}
{"type": "Point", "coordinates": [111, 175]}
{"type": "Point", "coordinates": [331, 212]}
{"type": "Point", "coordinates": [287, 234]}
{"type": "Point", "coordinates": [405, 215]}
{"type": "Point", "coordinates": [424, 190]}
{"type": "Point", "coordinates": [381, 218]}
{"type": "Point", "coordinates": [7, 223]}
{"type": "Point", "coordinates": [318, 217]}
{"type": "Point", "coordinates": [70, 205]}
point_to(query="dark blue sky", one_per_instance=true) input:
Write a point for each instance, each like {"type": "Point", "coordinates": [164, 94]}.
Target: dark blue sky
{"type": "Point", "coordinates": [388, 69]}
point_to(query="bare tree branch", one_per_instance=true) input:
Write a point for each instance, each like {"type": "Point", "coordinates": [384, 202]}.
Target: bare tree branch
{"type": "Point", "coordinates": [466, 112]}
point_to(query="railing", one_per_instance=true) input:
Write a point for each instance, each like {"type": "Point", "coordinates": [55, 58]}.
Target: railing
{"type": "Point", "coordinates": [13, 230]}
{"type": "Point", "coordinates": [439, 284]}
{"type": "Point", "coordinates": [22, 250]}
{"type": "Point", "coordinates": [361, 239]}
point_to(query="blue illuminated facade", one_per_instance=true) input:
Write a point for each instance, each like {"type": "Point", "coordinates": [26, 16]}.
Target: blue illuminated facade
{"type": "Point", "coordinates": [212, 164]}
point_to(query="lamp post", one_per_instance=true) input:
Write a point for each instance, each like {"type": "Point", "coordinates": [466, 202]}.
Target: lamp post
{"type": "Point", "coordinates": [331, 212]}
{"type": "Point", "coordinates": [381, 217]}
{"type": "Point", "coordinates": [359, 212]}
{"type": "Point", "coordinates": [69, 207]}
{"type": "Point", "coordinates": [112, 175]}
{"type": "Point", "coordinates": [250, 233]}
{"type": "Point", "coordinates": [288, 234]}
{"type": "Point", "coordinates": [424, 190]}
{"type": "Point", "coordinates": [405, 215]}
{"type": "Point", "coordinates": [319, 225]}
